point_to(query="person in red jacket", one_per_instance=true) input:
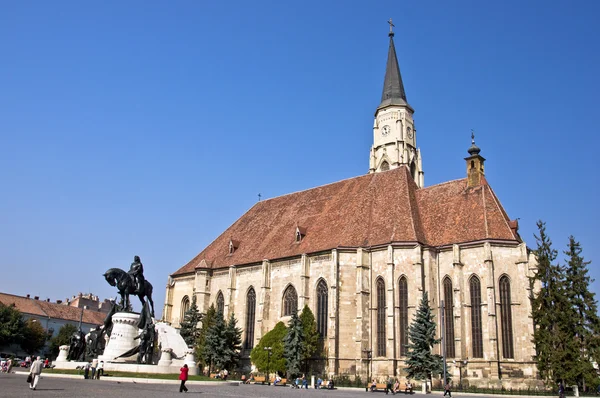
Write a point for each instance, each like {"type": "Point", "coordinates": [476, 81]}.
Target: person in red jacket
{"type": "Point", "coordinates": [183, 377]}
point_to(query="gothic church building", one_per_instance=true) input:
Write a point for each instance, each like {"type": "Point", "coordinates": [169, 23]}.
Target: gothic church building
{"type": "Point", "coordinates": [361, 252]}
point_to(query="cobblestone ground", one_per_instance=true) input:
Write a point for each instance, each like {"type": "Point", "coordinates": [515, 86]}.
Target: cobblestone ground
{"type": "Point", "coordinates": [15, 385]}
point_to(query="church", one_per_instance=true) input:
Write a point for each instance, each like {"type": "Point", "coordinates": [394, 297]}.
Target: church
{"type": "Point", "coordinates": [360, 253]}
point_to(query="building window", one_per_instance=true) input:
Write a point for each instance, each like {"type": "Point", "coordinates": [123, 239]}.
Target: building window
{"type": "Point", "coordinates": [185, 306]}
{"type": "Point", "coordinates": [322, 302]}
{"type": "Point", "coordinates": [477, 338]}
{"type": "Point", "coordinates": [220, 303]}
{"type": "Point", "coordinates": [250, 310]}
{"type": "Point", "coordinates": [506, 318]}
{"type": "Point", "coordinates": [403, 302]}
{"type": "Point", "coordinates": [290, 301]}
{"type": "Point", "coordinates": [449, 318]}
{"type": "Point", "coordinates": [380, 318]}
{"type": "Point", "coordinates": [385, 166]}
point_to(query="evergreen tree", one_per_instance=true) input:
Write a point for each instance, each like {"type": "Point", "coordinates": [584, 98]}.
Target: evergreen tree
{"type": "Point", "coordinates": [274, 339]}
{"type": "Point", "coordinates": [311, 335]}
{"type": "Point", "coordinates": [233, 344]}
{"type": "Point", "coordinates": [62, 338]}
{"type": "Point", "coordinates": [215, 344]}
{"type": "Point", "coordinates": [421, 363]}
{"type": "Point", "coordinates": [294, 345]}
{"type": "Point", "coordinates": [207, 321]}
{"type": "Point", "coordinates": [11, 325]}
{"type": "Point", "coordinates": [189, 327]}
{"type": "Point", "coordinates": [585, 324]}
{"type": "Point", "coordinates": [556, 354]}
{"type": "Point", "coordinates": [34, 337]}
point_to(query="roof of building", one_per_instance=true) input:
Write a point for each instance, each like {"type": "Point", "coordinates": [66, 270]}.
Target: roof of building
{"type": "Point", "coordinates": [393, 87]}
{"type": "Point", "coordinates": [369, 210]}
{"type": "Point", "coordinates": [53, 310]}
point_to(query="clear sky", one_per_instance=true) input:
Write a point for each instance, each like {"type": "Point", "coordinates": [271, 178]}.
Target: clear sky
{"type": "Point", "coordinates": [146, 127]}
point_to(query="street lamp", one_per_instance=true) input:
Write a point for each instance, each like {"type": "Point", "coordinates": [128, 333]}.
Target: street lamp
{"type": "Point", "coordinates": [268, 350]}
{"type": "Point", "coordinates": [460, 366]}
{"type": "Point", "coordinates": [368, 355]}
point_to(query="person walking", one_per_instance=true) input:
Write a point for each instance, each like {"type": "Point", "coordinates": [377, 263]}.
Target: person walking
{"type": "Point", "coordinates": [86, 370]}
{"type": "Point", "coordinates": [100, 369]}
{"type": "Point", "coordinates": [183, 376]}
{"type": "Point", "coordinates": [35, 371]}
{"type": "Point", "coordinates": [447, 389]}
{"type": "Point", "coordinates": [561, 390]}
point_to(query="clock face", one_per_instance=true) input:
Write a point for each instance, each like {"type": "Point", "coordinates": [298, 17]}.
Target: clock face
{"type": "Point", "coordinates": [385, 130]}
{"type": "Point", "coordinates": [409, 132]}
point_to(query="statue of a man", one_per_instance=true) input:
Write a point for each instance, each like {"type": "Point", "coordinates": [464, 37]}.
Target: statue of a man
{"type": "Point", "coordinates": [137, 271]}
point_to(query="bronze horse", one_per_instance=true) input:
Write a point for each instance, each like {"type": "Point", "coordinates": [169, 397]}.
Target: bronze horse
{"type": "Point", "coordinates": [125, 283]}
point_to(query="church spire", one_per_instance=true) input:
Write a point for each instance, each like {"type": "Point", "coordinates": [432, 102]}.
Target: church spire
{"type": "Point", "coordinates": [393, 88]}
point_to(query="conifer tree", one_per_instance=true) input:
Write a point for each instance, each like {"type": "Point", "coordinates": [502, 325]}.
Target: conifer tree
{"type": "Point", "coordinates": [294, 345]}
{"type": "Point", "coordinates": [215, 343]}
{"type": "Point", "coordinates": [421, 363]}
{"type": "Point", "coordinates": [585, 324]}
{"type": "Point", "coordinates": [189, 327]}
{"type": "Point", "coordinates": [311, 335]}
{"type": "Point", "coordinates": [233, 344]}
{"type": "Point", "coordinates": [207, 321]}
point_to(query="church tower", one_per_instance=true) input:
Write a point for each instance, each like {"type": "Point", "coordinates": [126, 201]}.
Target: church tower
{"type": "Point", "coordinates": [394, 133]}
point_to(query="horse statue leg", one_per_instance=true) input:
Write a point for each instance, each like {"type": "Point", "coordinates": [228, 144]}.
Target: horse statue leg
{"type": "Point", "coordinates": [148, 291]}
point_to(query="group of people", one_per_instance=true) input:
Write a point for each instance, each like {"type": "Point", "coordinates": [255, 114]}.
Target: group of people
{"type": "Point", "coordinates": [393, 386]}
{"type": "Point", "coordinates": [91, 371]}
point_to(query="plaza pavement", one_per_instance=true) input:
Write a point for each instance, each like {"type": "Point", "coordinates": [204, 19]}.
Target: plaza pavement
{"type": "Point", "coordinates": [53, 385]}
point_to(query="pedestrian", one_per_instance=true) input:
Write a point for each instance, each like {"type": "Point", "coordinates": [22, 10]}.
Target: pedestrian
{"type": "Point", "coordinates": [86, 370]}
{"type": "Point", "coordinates": [447, 389]}
{"type": "Point", "coordinates": [561, 390]}
{"type": "Point", "coordinates": [93, 369]}
{"type": "Point", "coordinates": [100, 369]}
{"type": "Point", "coordinates": [389, 385]}
{"type": "Point", "coordinates": [35, 371]}
{"type": "Point", "coordinates": [183, 376]}
{"type": "Point", "coordinates": [46, 363]}
{"type": "Point", "coordinates": [225, 374]}
{"type": "Point", "coordinates": [9, 365]}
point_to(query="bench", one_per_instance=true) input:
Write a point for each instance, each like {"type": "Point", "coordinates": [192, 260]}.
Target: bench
{"type": "Point", "coordinates": [403, 389]}
{"type": "Point", "coordinates": [213, 376]}
{"type": "Point", "coordinates": [281, 383]}
{"type": "Point", "coordinates": [378, 387]}
{"type": "Point", "coordinates": [259, 379]}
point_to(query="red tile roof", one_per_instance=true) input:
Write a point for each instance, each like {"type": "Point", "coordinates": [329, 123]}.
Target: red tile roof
{"type": "Point", "coordinates": [369, 210]}
{"type": "Point", "coordinates": [57, 311]}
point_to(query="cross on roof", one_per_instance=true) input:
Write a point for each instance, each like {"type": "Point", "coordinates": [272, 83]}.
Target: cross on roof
{"type": "Point", "coordinates": [391, 25]}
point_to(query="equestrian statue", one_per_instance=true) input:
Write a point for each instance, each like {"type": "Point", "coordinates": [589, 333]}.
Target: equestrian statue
{"type": "Point", "coordinates": [131, 283]}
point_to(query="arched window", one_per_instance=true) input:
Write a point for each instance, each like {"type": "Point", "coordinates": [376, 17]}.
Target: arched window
{"type": "Point", "coordinates": [449, 317]}
{"type": "Point", "coordinates": [477, 338]}
{"type": "Point", "coordinates": [385, 166]}
{"type": "Point", "coordinates": [220, 303]}
{"type": "Point", "coordinates": [380, 318]}
{"type": "Point", "coordinates": [403, 302]}
{"type": "Point", "coordinates": [250, 310]}
{"type": "Point", "coordinates": [322, 302]}
{"type": "Point", "coordinates": [506, 318]}
{"type": "Point", "coordinates": [185, 306]}
{"type": "Point", "coordinates": [290, 301]}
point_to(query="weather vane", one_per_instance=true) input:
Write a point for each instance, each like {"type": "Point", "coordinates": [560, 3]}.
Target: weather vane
{"type": "Point", "coordinates": [472, 136]}
{"type": "Point", "coordinates": [259, 196]}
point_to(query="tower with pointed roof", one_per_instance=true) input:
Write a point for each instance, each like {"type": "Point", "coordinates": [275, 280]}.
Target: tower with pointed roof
{"type": "Point", "coordinates": [394, 133]}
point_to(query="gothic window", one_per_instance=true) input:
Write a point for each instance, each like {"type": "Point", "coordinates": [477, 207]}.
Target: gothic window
{"type": "Point", "coordinates": [477, 338]}
{"type": "Point", "coordinates": [250, 309]}
{"type": "Point", "coordinates": [220, 303]}
{"type": "Point", "coordinates": [403, 301]}
{"type": "Point", "coordinates": [290, 301]}
{"type": "Point", "coordinates": [385, 166]}
{"type": "Point", "coordinates": [448, 318]}
{"type": "Point", "coordinates": [185, 306]}
{"type": "Point", "coordinates": [380, 318]}
{"type": "Point", "coordinates": [322, 302]}
{"type": "Point", "coordinates": [506, 318]}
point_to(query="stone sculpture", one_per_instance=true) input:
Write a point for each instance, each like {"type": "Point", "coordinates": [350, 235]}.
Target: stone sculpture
{"type": "Point", "coordinates": [131, 282]}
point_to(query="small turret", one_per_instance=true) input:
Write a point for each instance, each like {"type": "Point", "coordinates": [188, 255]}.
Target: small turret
{"type": "Point", "coordinates": [475, 169]}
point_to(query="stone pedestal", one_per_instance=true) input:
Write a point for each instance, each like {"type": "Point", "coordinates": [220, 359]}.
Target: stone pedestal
{"type": "Point", "coordinates": [191, 362]}
{"type": "Point", "coordinates": [122, 337]}
{"type": "Point", "coordinates": [63, 353]}
{"type": "Point", "coordinates": [166, 358]}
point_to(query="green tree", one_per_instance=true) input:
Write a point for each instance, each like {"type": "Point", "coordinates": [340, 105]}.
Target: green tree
{"type": "Point", "coordinates": [585, 325]}
{"type": "Point", "coordinates": [207, 321]}
{"type": "Point", "coordinates": [274, 339]}
{"type": "Point", "coordinates": [11, 325]}
{"type": "Point", "coordinates": [233, 344]}
{"type": "Point", "coordinates": [294, 345]}
{"type": "Point", "coordinates": [311, 336]}
{"type": "Point", "coordinates": [215, 343]}
{"type": "Point", "coordinates": [189, 327]}
{"type": "Point", "coordinates": [556, 351]}
{"type": "Point", "coordinates": [62, 338]}
{"type": "Point", "coordinates": [34, 337]}
{"type": "Point", "coordinates": [421, 363]}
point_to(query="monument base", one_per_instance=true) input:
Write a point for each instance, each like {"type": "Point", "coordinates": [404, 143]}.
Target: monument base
{"type": "Point", "coordinates": [122, 337]}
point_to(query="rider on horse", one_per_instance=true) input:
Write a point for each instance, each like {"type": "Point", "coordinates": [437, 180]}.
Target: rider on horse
{"type": "Point", "coordinates": [137, 272]}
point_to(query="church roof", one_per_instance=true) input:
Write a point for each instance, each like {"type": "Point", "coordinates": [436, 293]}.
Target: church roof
{"type": "Point", "coordinates": [369, 210]}
{"type": "Point", "coordinates": [393, 87]}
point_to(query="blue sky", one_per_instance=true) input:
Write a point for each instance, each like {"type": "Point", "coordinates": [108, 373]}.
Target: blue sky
{"type": "Point", "coordinates": [149, 127]}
